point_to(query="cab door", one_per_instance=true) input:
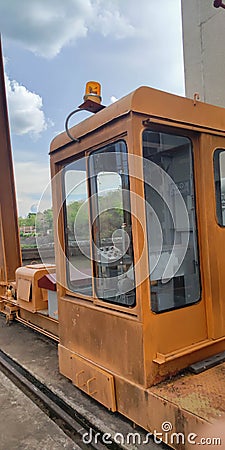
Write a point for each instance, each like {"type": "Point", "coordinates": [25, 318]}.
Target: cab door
{"type": "Point", "coordinates": [212, 154]}
{"type": "Point", "coordinates": [177, 271]}
{"type": "Point", "coordinates": [172, 243]}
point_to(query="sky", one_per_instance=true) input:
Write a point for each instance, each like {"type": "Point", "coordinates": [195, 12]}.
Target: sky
{"type": "Point", "coordinates": [52, 48]}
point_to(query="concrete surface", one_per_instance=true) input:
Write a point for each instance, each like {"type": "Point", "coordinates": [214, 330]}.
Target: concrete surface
{"type": "Point", "coordinates": [23, 426]}
{"type": "Point", "coordinates": [39, 356]}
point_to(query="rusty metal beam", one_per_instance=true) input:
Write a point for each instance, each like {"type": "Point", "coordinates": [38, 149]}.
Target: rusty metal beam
{"type": "Point", "coordinates": [10, 255]}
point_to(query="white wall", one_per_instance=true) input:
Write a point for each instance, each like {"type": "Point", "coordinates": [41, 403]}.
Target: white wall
{"type": "Point", "coordinates": [204, 50]}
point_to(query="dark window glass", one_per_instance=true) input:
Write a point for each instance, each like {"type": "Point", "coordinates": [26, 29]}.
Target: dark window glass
{"type": "Point", "coordinates": [219, 173]}
{"type": "Point", "coordinates": [77, 228]}
{"type": "Point", "coordinates": [111, 225]}
{"type": "Point", "coordinates": [171, 221]}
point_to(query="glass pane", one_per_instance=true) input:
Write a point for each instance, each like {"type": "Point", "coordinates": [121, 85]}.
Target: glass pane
{"type": "Point", "coordinates": [172, 239]}
{"type": "Point", "coordinates": [111, 221]}
{"type": "Point", "coordinates": [219, 172]}
{"type": "Point", "coordinates": [110, 204]}
{"type": "Point", "coordinates": [222, 184]}
{"type": "Point", "coordinates": [79, 271]}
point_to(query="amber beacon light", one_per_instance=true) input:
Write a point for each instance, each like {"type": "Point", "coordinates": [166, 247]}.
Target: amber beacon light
{"type": "Point", "coordinates": [92, 103]}
{"type": "Point", "coordinates": [93, 91]}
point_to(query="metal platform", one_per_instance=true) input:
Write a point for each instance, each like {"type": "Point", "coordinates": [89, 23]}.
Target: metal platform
{"type": "Point", "coordinates": [185, 396]}
{"type": "Point", "coordinates": [202, 394]}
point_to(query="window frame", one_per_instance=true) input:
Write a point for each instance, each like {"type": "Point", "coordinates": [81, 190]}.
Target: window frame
{"type": "Point", "coordinates": [179, 133]}
{"type": "Point", "coordinates": [69, 283]}
{"type": "Point", "coordinates": [100, 149]}
{"type": "Point", "coordinates": [217, 180]}
{"type": "Point", "coordinates": [132, 309]}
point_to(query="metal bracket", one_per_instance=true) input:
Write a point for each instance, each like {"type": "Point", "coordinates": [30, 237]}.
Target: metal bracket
{"type": "Point", "coordinates": [77, 379]}
{"type": "Point", "coordinates": [88, 105]}
{"type": "Point", "coordinates": [88, 386]}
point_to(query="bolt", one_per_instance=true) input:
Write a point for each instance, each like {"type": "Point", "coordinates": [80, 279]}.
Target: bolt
{"type": "Point", "coordinates": [218, 4]}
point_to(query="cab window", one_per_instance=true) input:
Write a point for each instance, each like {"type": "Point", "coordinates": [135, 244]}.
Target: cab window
{"type": "Point", "coordinates": [219, 174]}
{"type": "Point", "coordinates": [77, 228]}
{"type": "Point", "coordinates": [111, 225]}
{"type": "Point", "coordinates": [97, 205]}
{"type": "Point", "coordinates": [171, 221]}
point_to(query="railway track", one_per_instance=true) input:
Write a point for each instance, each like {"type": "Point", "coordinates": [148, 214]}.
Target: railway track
{"type": "Point", "coordinates": [29, 361]}
{"type": "Point", "coordinates": [72, 423]}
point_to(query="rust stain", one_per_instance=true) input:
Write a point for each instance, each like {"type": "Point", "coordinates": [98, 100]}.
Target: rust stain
{"type": "Point", "coordinates": [200, 394]}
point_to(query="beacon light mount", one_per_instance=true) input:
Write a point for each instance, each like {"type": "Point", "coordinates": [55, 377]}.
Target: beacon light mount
{"type": "Point", "coordinates": [92, 103]}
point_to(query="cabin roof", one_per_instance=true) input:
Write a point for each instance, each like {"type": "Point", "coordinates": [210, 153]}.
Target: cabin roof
{"type": "Point", "coordinates": [151, 102]}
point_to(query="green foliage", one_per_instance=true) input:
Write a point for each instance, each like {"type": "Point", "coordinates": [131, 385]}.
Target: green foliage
{"type": "Point", "coordinates": [77, 217]}
{"type": "Point", "coordinates": [27, 234]}
{"type": "Point", "coordinates": [29, 221]}
{"type": "Point", "coordinates": [110, 213]}
{"type": "Point", "coordinates": [28, 246]}
{"type": "Point", "coordinates": [44, 221]}
{"type": "Point", "coordinates": [110, 216]}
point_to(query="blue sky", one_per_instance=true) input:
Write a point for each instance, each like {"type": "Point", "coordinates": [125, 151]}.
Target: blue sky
{"type": "Point", "coordinates": [53, 47]}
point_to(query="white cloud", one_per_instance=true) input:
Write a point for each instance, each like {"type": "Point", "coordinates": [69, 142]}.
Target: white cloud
{"type": "Point", "coordinates": [32, 178]}
{"type": "Point", "coordinates": [113, 99]}
{"type": "Point", "coordinates": [108, 20]}
{"type": "Point", "coordinates": [25, 108]}
{"type": "Point", "coordinates": [46, 26]}
{"type": "Point", "coordinates": [150, 46]}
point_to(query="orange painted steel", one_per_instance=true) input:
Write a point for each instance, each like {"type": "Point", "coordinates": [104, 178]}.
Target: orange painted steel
{"type": "Point", "coordinates": [34, 298]}
{"type": "Point", "coordinates": [140, 349]}
{"type": "Point", "coordinates": [10, 255]}
{"type": "Point", "coordinates": [29, 296]}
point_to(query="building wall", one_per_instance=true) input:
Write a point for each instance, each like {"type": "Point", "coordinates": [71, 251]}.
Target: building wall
{"type": "Point", "coordinates": [204, 50]}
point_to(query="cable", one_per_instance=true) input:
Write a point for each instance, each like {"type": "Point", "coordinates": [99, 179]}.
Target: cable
{"type": "Point", "coordinates": [66, 125]}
